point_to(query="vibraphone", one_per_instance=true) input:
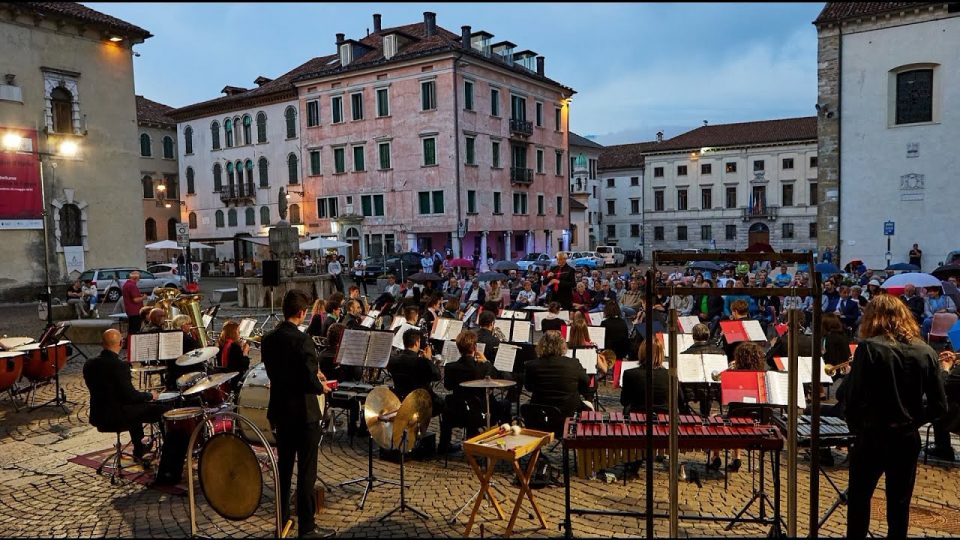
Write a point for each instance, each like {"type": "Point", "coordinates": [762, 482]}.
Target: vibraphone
{"type": "Point", "coordinates": [603, 440]}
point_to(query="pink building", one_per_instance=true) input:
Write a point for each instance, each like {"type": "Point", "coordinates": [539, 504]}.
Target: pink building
{"type": "Point", "coordinates": [413, 130]}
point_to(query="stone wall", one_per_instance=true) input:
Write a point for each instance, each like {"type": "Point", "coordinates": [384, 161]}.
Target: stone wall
{"type": "Point", "coordinates": [828, 140]}
{"type": "Point", "coordinates": [252, 294]}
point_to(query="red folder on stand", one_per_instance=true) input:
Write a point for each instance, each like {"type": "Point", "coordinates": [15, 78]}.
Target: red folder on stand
{"type": "Point", "coordinates": [743, 387]}
{"type": "Point", "coordinates": [735, 331]}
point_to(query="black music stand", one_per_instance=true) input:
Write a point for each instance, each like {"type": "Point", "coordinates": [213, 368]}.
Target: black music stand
{"type": "Point", "coordinates": [51, 336]}
{"type": "Point", "coordinates": [403, 501]}
{"type": "Point", "coordinates": [370, 478]}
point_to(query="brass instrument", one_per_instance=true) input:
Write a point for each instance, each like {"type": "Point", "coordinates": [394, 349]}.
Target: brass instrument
{"type": "Point", "coordinates": [190, 304]}
{"type": "Point", "coordinates": [716, 374]}
{"type": "Point", "coordinates": [832, 370]}
{"type": "Point", "coordinates": [165, 299]}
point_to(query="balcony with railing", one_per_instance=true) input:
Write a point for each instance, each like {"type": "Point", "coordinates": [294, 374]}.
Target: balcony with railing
{"type": "Point", "coordinates": [521, 175]}
{"type": "Point", "coordinates": [761, 211]}
{"type": "Point", "coordinates": [521, 127]}
{"type": "Point", "coordinates": [240, 194]}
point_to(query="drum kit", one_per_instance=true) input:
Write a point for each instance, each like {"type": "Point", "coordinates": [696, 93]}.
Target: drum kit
{"type": "Point", "coordinates": [200, 396]}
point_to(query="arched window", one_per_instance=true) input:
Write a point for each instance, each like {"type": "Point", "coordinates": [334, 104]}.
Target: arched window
{"type": "Point", "coordinates": [173, 187]}
{"type": "Point", "coordinates": [264, 215]}
{"type": "Point", "coordinates": [144, 145]}
{"type": "Point", "coordinates": [168, 147]}
{"type": "Point", "coordinates": [61, 104]}
{"type": "Point", "coordinates": [291, 116]}
{"type": "Point", "coordinates": [264, 172]}
{"type": "Point", "coordinates": [147, 187]}
{"type": "Point", "coordinates": [231, 186]}
{"type": "Point", "coordinates": [217, 177]}
{"type": "Point", "coordinates": [171, 229]}
{"type": "Point", "coordinates": [219, 219]}
{"type": "Point", "coordinates": [251, 216]}
{"type": "Point", "coordinates": [241, 187]}
{"type": "Point", "coordinates": [248, 165]}
{"type": "Point", "coordinates": [71, 230]}
{"type": "Point", "coordinates": [215, 134]}
{"type": "Point", "coordinates": [294, 214]}
{"type": "Point", "coordinates": [239, 133]}
{"type": "Point", "coordinates": [232, 217]}
{"type": "Point", "coordinates": [247, 127]}
{"type": "Point", "coordinates": [191, 188]}
{"type": "Point", "coordinates": [228, 130]}
{"type": "Point", "coordinates": [261, 127]}
{"type": "Point", "coordinates": [293, 174]}
{"type": "Point", "coordinates": [188, 140]}
{"type": "Point", "coordinates": [192, 220]}
{"type": "Point", "coordinates": [151, 229]}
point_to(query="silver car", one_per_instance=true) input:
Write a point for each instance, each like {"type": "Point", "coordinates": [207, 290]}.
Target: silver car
{"type": "Point", "coordinates": [109, 281]}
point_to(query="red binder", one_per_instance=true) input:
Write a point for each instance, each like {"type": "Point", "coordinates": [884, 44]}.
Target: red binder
{"type": "Point", "coordinates": [743, 387]}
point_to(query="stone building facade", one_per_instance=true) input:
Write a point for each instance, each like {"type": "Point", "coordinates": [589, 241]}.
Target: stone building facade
{"type": "Point", "coordinates": [69, 90]}
{"type": "Point", "coordinates": [585, 189]}
{"type": "Point", "coordinates": [621, 199]}
{"type": "Point", "coordinates": [159, 173]}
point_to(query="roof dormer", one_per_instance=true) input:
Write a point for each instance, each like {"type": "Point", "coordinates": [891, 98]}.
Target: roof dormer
{"type": "Point", "coordinates": [232, 90]}
{"type": "Point", "coordinates": [261, 80]}
{"type": "Point", "coordinates": [481, 41]}
{"type": "Point", "coordinates": [504, 50]}
{"type": "Point", "coordinates": [526, 59]}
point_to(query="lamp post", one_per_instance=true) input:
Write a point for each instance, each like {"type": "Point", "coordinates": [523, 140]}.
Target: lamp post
{"type": "Point", "coordinates": [13, 142]}
{"type": "Point", "coordinates": [164, 202]}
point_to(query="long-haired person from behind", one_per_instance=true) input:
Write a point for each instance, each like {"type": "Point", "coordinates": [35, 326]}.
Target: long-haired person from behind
{"type": "Point", "coordinates": [556, 380]}
{"type": "Point", "coordinates": [233, 355]}
{"type": "Point", "coordinates": [633, 391]}
{"type": "Point", "coordinates": [893, 371]}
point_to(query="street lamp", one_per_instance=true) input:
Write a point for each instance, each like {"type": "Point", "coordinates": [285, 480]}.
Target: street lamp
{"type": "Point", "coordinates": [13, 142]}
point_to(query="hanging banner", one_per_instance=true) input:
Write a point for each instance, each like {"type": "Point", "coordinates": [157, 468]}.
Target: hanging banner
{"type": "Point", "coordinates": [21, 203]}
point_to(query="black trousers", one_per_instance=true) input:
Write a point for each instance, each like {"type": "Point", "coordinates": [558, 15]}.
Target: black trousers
{"type": "Point", "coordinates": [300, 443]}
{"type": "Point", "coordinates": [133, 324]}
{"type": "Point", "coordinates": [893, 454]}
{"type": "Point", "coordinates": [138, 414]}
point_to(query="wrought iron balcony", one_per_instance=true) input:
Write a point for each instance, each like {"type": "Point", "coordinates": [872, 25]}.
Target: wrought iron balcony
{"type": "Point", "coordinates": [244, 193]}
{"type": "Point", "coordinates": [521, 175]}
{"type": "Point", "coordinates": [521, 127]}
{"type": "Point", "coordinates": [760, 212]}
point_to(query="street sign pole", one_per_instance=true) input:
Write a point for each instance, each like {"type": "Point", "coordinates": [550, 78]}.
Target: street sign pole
{"type": "Point", "coordinates": [183, 240]}
{"type": "Point", "coordinates": [888, 230]}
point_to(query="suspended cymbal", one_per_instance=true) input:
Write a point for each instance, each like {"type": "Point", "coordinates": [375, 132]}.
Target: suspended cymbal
{"type": "Point", "coordinates": [412, 418]}
{"type": "Point", "coordinates": [210, 381]}
{"type": "Point", "coordinates": [380, 401]}
{"type": "Point", "coordinates": [230, 476]}
{"type": "Point", "coordinates": [198, 356]}
{"type": "Point", "coordinates": [488, 383]}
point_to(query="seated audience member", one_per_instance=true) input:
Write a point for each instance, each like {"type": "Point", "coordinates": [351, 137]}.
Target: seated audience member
{"type": "Point", "coordinates": [556, 380]}
{"type": "Point", "coordinates": [75, 298]}
{"type": "Point", "coordinates": [525, 297]}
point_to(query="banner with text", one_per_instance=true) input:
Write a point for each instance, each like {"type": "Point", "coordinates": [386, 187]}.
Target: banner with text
{"type": "Point", "coordinates": [21, 204]}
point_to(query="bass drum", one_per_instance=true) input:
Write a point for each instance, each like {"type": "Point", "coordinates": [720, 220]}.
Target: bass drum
{"type": "Point", "coordinates": [252, 403]}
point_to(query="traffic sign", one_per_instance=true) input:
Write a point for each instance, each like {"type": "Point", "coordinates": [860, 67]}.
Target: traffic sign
{"type": "Point", "coordinates": [183, 235]}
{"type": "Point", "coordinates": [888, 228]}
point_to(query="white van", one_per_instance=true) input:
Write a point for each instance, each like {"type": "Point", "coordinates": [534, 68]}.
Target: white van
{"type": "Point", "coordinates": [612, 255]}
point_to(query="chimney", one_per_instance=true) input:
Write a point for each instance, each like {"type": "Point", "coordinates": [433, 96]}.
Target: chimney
{"type": "Point", "coordinates": [540, 62]}
{"type": "Point", "coordinates": [340, 38]}
{"type": "Point", "coordinates": [430, 22]}
{"type": "Point", "coordinates": [465, 36]}
{"type": "Point", "coordinates": [659, 136]}
{"type": "Point", "coordinates": [376, 22]}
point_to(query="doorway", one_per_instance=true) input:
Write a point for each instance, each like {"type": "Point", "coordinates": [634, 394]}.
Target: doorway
{"type": "Point", "coordinates": [759, 233]}
{"type": "Point", "coordinates": [352, 237]}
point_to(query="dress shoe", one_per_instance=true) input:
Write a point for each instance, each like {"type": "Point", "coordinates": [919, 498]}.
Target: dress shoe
{"type": "Point", "coordinates": [734, 465]}
{"type": "Point", "coordinates": [318, 532]}
{"type": "Point", "coordinates": [945, 454]}
{"type": "Point", "coordinates": [826, 458]}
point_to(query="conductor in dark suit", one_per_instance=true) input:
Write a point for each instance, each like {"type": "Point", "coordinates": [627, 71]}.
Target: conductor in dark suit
{"type": "Point", "coordinates": [556, 380]}
{"type": "Point", "coordinates": [290, 358]}
{"type": "Point", "coordinates": [563, 282]}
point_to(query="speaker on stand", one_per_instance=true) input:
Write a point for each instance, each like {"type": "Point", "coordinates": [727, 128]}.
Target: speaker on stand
{"type": "Point", "coordinates": [271, 279]}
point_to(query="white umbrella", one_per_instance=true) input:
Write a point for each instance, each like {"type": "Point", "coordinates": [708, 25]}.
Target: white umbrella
{"type": "Point", "coordinates": [163, 244]}
{"type": "Point", "coordinates": [198, 245]}
{"type": "Point", "coordinates": [321, 243]}
{"type": "Point", "coordinates": [917, 279]}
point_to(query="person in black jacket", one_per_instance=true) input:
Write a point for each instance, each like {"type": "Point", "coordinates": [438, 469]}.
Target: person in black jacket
{"type": "Point", "coordinates": [617, 335]}
{"type": "Point", "coordinates": [563, 282]}
{"type": "Point", "coordinates": [552, 321]}
{"type": "Point", "coordinates": [471, 366]}
{"type": "Point", "coordinates": [704, 394]}
{"type": "Point", "coordinates": [556, 380]}
{"type": "Point", "coordinates": [633, 382]}
{"type": "Point", "coordinates": [485, 334]}
{"type": "Point", "coordinates": [115, 404]}
{"type": "Point", "coordinates": [950, 421]}
{"type": "Point", "coordinates": [334, 307]}
{"type": "Point", "coordinates": [413, 368]}
{"type": "Point", "coordinates": [914, 301]}
{"type": "Point", "coordinates": [892, 372]}
{"type": "Point", "coordinates": [318, 314]}
{"type": "Point", "coordinates": [294, 411]}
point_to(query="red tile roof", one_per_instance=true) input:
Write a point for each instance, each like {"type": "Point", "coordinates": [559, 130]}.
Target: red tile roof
{"type": "Point", "coordinates": [82, 13]}
{"type": "Point", "coordinates": [577, 205]}
{"type": "Point", "coordinates": [835, 11]}
{"type": "Point", "coordinates": [624, 156]}
{"type": "Point", "coordinates": [765, 131]}
{"type": "Point", "coordinates": [152, 112]}
{"type": "Point", "coordinates": [577, 140]}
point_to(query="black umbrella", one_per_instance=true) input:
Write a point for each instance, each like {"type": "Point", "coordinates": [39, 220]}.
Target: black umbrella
{"type": "Point", "coordinates": [504, 266]}
{"type": "Point", "coordinates": [705, 265]}
{"type": "Point", "coordinates": [904, 266]}
{"type": "Point", "coordinates": [493, 276]}
{"type": "Point", "coordinates": [421, 277]}
{"type": "Point", "coordinates": [947, 270]}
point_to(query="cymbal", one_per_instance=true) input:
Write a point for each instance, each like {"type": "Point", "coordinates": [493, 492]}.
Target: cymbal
{"type": "Point", "coordinates": [412, 418]}
{"type": "Point", "coordinates": [379, 402]}
{"type": "Point", "coordinates": [198, 356]}
{"type": "Point", "coordinates": [230, 476]}
{"type": "Point", "coordinates": [210, 381]}
{"type": "Point", "coordinates": [488, 383]}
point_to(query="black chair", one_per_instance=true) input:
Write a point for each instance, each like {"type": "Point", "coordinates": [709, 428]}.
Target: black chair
{"type": "Point", "coordinates": [952, 420]}
{"type": "Point", "coordinates": [466, 412]}
{"type": "Point", "coordinates": [543, 418]}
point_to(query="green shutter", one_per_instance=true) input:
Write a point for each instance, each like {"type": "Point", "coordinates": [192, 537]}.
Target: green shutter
{"type": "Point", "coordinates": [437, 202]}
{"type": "Point", "coordinates": [384, 155]}
{"type": "Point", "coordinates": [496, 203]}
{"type": "Point", "coordinates": [471, 150]}
{"type": "Point", "coordinates": [338, 159]}
{"type": "Point", "coordinates": [424, 202]}
{"type": "Point", "coordinates": [471, 202]}
{"type": "Point", "coordinates": [429, 152]}
{"type": "Point", "coordinates": [314, 162]}
{"type": "Point", "coordinates": [496, 154]}
{"type": "Point", "coordinates": [365, 204]}
{"type": "Point", "coordinates": [378, 205]}
{"type": "Point", "coordinates": [358, 164]}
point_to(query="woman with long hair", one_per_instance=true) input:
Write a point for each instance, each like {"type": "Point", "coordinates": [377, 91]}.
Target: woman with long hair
{"type": "Point", "coordinates": [893, 370]}
{"type": "Point", "coordinates": [233, 355]}
{"type": "Point", "coordinates": [633, 382]}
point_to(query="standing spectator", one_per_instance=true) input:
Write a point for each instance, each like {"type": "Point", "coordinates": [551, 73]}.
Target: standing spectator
{"type": "Point", "coordinates": [359, 269]}
{"type": "Point", "coordinates": [426, 262]}
{"type": "Point", "coordinates": [132, 302]}
{"type": "Point", "coordinates": [827, 256]}
{"type": "Point", "coordinates": [335, 269]}
{"type": "Point", "coordinates": [915, 255]}
{"type": "Point", "coordinates": [437, 261]}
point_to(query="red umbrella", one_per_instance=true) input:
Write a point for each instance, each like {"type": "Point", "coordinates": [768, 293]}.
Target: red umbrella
{"type": "Point", "coordinates": [461, 263]}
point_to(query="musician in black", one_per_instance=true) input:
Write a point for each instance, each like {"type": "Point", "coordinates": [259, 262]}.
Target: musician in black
{"type": "Point", "coordinates": [353, 316]}
{"type": "Point", "coordinates": [294, 413]}
{"type": "Point", "coordinates": [552, 321]}
{"type": "Point", "coordinates": [486, 335]}
{"type": "Point", "coordinates": [700, 392]}
{"type": "Point", "coordinates": [185, 324]}
{"type": "Point", "coordinates": [563, 282]}
{"type": "Point", "coordinates": [334, 307]}
{"type": "Point", "coordinates": [893, 370]}
{"type": "Point", "coordinates": [432, 312]}
{"type": "Point", "coordinates": [317, 316]}
{"type": "Point", "coordinates": [414, 368]}
{"type": "Point", "coordinates": [633, 382]}
{"type": "Point", "coordinates": [556, 380]}
{"type": "Point", "coordinates": [471, 366]}
{"type": "Point", "coordinates": [617, 336]}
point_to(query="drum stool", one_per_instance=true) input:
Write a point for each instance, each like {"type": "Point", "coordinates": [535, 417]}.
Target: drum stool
{"type": "Point", "coordinates": [114, 460]}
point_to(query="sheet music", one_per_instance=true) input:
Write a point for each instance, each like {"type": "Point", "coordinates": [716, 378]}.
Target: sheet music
{"type": "Point", "coordinates": [353, 347]}
{"type": "Point", "coordinates": [144, 347]}
{"type": "Point", "coordinates": [684, 342]}
{"type": "Point", "coordinates": [397, 321]}
{"type": "Point", "coordinates": [246, 327]}
{"type": "Point", "coordinates": [303, 327]}
{"type": "Point", "coordinates": [508, 314]}
{"type": "Point", "coordinates": [447, 329]}
{"type": "Point", "coordinates": [598, 336]}
{"type": "Point", "coordinates": [521, 331]}
{"type": "Point", "coordinates": [594, 319]}
{"type": "Point", "coordinates": [170, 345]}
{"type": "Point", "coordinates": [374, 313]}
{"type": "Point", "coordinates": [504, 326]}
{"type": "Point", "coordinates": [506, 357]}
{"type": "Point", "coordinates": [367, 321]}
{"type": "Point", "coordinates": [379, 348]}
{"type": "Point", "coordinates": [690, 369]}
{"type": "Point", "coordinates": [206, 319]}
{"type": "Point", "coordinates": [450, 352]}
{"type": "Point", "coordinates": [587, 359]}
{"type": "Point", "coordinates": [398, 336]}
{"type": "Point", "coordinates": [805, 370]}
{"type": "Point", "coordinates": [754, 330]}
{"type": "Point", "coordinates": [481, 347]}
{"type": "Point", "coordinates": [687, 323]}
{"type": "Point", "coordinates": [778, 385]}
{"type": "Point", "coordinates": [711, 363]}
{"type": "Point", "coordinates": [469, 313]}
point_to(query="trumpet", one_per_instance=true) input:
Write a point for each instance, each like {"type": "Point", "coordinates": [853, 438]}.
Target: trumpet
{"type": "Point", "coordinates": [716, 374]}
{"type": "Point", "coordinates": [832, 370]}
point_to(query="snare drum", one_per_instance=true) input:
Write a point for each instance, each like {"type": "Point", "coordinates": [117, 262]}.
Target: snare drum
{"type": "Point", "coordinates": [11, 366]}
{"type": "Point", "coordinates": [183, 421]}
{"type": "Point", "coordinates": [43, 364]}
{"type": "Point", "coordinates": [168, 398]}
{"type": "Point", "coordinates": [216, 396]}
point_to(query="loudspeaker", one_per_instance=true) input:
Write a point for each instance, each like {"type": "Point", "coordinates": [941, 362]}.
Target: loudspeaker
{"type": "Point", "coordinates": [271, 273]}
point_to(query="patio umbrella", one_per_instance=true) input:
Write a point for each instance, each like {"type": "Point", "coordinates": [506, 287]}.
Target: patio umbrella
{"type": "Point", "coordinates": [706, 265]}
{"type": "Point", "coordinates": [947, 270]}
{"type": "Point", "coordinates": [321, 243]}
{"type": "Point", "coordinates": [198, 245]}
{"type": "Point", "coordinates": [493, 276]}
{"type": "Point", "coordinates": [505, 266]}
{"type": "Point", "coordinates": [917, 279]}
{"type": "Point", "coordinates": [163, 244]}
{"type": "Point", "coordinates": [461, 263]}
{"type": "Point", "coordinates": [421, 277]}
{"type": "Point", "coordinates": [904, 266]}
{"type": "Point", "coordinates": [951, 290]}
{"type": "Point", "coordinates": [827, 268]}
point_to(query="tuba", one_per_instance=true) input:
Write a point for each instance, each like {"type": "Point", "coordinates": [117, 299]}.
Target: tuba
{"type": "Point", "coordinates": [165, 300]}
{"type": "Point", "coordinates": [190, 304]}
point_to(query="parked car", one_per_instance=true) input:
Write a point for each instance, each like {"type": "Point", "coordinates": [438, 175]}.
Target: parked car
{"type": "Point", "coordinates": [161, 270]}
{"type": "Point", "coordinates": [404, 264]}
{"type": "Point", "coordinates": [109, 281]}
{"type": "Point", "coordinates": [539, 259]}
{"type": "Point", "coordinates": [612, 255]}
{"type": "Point", "coordinates": [586, 259]}
{"type": "Point", "coordinates": [543, 263]}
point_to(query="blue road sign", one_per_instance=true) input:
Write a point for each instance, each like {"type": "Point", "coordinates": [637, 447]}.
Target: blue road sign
{"type": "Point", "coordinates": [888, 228]}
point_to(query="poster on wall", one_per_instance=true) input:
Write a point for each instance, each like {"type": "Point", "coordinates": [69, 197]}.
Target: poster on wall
{"type": "Point", "coordinates": [21, 204]}
{"type": "Point", "coordinates": [74, 257]}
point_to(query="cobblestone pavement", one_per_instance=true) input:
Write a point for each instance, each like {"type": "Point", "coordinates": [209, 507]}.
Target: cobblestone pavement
{"type": "Point", "coordinates": [42, 494]}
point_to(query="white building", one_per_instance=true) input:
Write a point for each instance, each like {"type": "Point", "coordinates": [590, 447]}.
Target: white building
{"type": "Point", "coordinates": [730, 186]}
{"type": "Point", "coordinates": [584, 188]}
{"type": "Point", "coordinates": [236, 153]}
{"type": "Point", "coordinates": [621, 195]}
{"type": "Point", "coordinates": [892, 70]}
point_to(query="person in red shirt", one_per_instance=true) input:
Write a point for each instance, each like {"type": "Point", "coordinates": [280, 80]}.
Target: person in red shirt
{"type": "Point", "coordinates": [132, 302]}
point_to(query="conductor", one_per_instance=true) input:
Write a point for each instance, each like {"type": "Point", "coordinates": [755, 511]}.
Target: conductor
{"type": "Point", "coordinates": [293, 368]}
{"type": "Point", "coordinates": [563, 282]}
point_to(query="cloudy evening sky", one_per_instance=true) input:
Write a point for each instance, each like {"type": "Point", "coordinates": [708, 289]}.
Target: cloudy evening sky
{"type": "Point", "coordinates": [637, 68]}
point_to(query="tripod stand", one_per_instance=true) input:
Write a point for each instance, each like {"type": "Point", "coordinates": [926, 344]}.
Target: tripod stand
{"type": "Point", "coordinates": [761, 495]}
{"type": "Point", "coordinates": [370, 479]}
{"type": "Point", "coordinates": [60, 396]}
{"type": "Point", "coordinates": [403, 501]}
{"type": "Point", "coordinates": [273, 313]}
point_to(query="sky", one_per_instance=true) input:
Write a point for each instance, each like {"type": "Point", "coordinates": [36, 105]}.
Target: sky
{"type": "Point", "coordinates": [637, 68]}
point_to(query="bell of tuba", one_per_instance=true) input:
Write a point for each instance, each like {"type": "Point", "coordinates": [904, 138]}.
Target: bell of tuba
{"type": "Point", "coordinates": [190, 304]}
{"type": "Point", "coordinates": [165, 298]}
